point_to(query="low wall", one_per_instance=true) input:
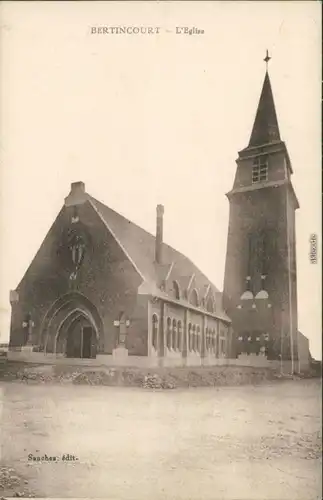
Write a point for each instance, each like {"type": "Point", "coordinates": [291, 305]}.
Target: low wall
{"type": "Point", "coordinates": [149, 362]}
{"type": "Point", "coordinates": [100, 360]}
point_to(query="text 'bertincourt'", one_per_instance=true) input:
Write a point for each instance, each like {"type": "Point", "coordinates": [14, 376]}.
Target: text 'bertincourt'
{"type": "Point", "coordinates": [144, 30]}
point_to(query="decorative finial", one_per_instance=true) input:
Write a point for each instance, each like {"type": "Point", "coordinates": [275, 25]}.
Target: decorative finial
{"type": "Point", "coordinates": [267, 59]}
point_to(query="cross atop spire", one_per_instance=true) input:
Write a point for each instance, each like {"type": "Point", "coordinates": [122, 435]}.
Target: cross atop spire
{"type": "Point", "coordinates": [267, 59]}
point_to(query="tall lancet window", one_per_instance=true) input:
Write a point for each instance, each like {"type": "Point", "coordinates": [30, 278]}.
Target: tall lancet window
{"type": "Point", "coordinates": [264, 254]}
{"type": "Point", "coordinates": [253, 251]}
{"type": "Point", "coordinates": [249, 263]}
{"type": "Point", "coordinates": [258, 258]}
{"type": "Point", "coordinates": [155, 332]}
{"type": "Point", "coordinates": [257, 263]}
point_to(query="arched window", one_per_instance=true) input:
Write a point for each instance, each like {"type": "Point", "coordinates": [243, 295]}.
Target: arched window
{"type": "Point", "coordinates": [213, 341]}
{"type": "Point", "coordinates": [169, 333]}
{"type": "Point", "coordinates": [176, 291]}
{"type": "Point", "coordinates": [223, 347]}
{"type": "Point", "coordinates": [155, 332]}
{"type": "Point", "coordinates": [222, 343]}
{"type": "Point", "coordinates": [174, 334]}
{"type": "Point", "coordinates": [179, 335]}
{"type": "Point", "coordinates": [190, 337]}
{"type": "Point", "coordinates": [207, 339]}
{"type": "Point", "coordinates": [198, 339]}
{"type": "Point", "coordinates": [194, 299]}
{"type": "Point", "coordinates": [193, 337]}
{"type": "Point", "coordinates": [218, 345]}
{"type": "Point", "coordinates": [210, 305]}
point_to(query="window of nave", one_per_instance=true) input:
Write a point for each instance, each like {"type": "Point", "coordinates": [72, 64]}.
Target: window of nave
{"type": "Point", "coordinates": [222, 341]}
{"type": "Point", "coordinates": [169, 333]}
{"type": "Point", "coordinates": [211, 340]}
{"type": "Point", "coordinates": [222, 347]}
{"type": "Point", "coordinates": [174, 334]}
{"type": "Point", "coordinates": [155, 332]}
{"type": "Point", "coordinates": [190, 336]}
{"type": "Point", "coordinates": [175, 290]}
{"type": "Point", "coordinates": [194, 298]}
{"type": "Point", "coordinates": [210, 305]}
{"type": "Point", "coordinates": [193, 337]}
{"type": "Point", "coordinates": [208, 338]}
{"type": "Point", "coordinates": [179, 335]}
{"type": "Point", "coordinates": [198, 339]}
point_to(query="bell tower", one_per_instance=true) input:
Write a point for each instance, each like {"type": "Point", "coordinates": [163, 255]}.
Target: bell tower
{"type": "Point", "coordinates": [260, 287]}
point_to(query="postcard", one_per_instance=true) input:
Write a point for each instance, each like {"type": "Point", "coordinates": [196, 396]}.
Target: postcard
{"type": "Point", "coordinates": [160, 260]}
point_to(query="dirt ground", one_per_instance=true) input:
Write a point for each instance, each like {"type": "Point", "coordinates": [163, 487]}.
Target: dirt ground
{"type": "Point", "coordinates": [249, 442]}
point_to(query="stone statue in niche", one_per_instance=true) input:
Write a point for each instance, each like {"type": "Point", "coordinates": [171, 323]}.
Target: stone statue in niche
{"type": "Point", "coordinates": [77, 249]}
{"type": "Point", "coordinates": [73, 247]}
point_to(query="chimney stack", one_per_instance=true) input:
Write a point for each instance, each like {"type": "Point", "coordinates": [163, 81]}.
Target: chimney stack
{"type": "Point", "coordinates": [77, 194]}
{"type": "Point", "coordinates": [159, 234]}
{"type": "Point", "coordinates": [77, 187]}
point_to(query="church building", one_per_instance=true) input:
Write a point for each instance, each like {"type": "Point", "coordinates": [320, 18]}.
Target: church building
{"type": "Point", "coordinates": [103, 288]}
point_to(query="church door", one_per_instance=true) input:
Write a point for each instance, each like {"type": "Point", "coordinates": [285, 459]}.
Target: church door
{"type": "Point", "coordinates": [73, 345]}
{"type": "Point", "coordinates": [81, 341]}
{"type": "Point", "coordinates": [87, 333]}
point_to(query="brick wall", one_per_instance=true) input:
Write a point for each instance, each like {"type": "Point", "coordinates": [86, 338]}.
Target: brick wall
{"type": "Point", "coordinates": [106, 278]}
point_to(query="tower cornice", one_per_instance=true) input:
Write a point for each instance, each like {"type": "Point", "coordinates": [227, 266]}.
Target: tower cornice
{"type": "Point", "coordinates": [264, 185]}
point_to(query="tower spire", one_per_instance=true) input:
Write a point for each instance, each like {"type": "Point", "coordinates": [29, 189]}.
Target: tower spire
{"type": "Point", "coordinates": [265, 129]}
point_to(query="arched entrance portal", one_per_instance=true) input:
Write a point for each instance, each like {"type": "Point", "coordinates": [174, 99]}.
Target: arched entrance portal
{"type": "Point", "coordinates": [72, 327]}
{"type": "Point", "coordinates": [77, 336]}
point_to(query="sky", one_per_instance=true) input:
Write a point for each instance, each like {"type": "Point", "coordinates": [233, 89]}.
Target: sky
{"type": "Point", "coordinates": [148, 119]}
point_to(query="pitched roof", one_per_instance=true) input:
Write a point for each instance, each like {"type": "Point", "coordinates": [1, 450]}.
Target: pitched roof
{"type": "Point", "coordinates": [140, 246]}
{"type": "Point", "coordinates": [265, 129]}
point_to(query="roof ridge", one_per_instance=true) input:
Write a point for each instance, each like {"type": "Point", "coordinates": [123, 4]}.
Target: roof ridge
{"type": "Point", "coordinates": [120, 215]}
{"type": "Point", "coordinates": [179, 256]}
{"type": "Point", "coordinates": [140, 227]}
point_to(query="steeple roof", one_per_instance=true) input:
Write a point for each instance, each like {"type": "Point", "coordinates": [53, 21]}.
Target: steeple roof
{"type": "Point", "coordinates": [265, 128]}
